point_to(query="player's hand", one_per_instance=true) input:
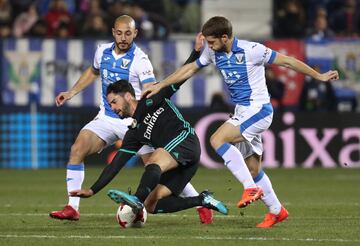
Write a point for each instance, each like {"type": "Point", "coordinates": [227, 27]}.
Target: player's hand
{"type": "Point", "coordinates": [83, 193]}
{"type": "Point", "coordinates": [62, 98]}
{"type": "Point", "coordinates": [151, 90]}
{"type": "Point", "coordinates": [199, 41]}
{"type": "Point", "coordinates": [329, 76]}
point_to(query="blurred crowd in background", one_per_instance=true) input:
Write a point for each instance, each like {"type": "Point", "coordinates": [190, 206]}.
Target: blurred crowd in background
{"type": "Point", "coordinates": [156, 20]}
{"type": "Point", "coordinates": [95, 18]}
{"type": "Point", "coordinates": [316, 18]}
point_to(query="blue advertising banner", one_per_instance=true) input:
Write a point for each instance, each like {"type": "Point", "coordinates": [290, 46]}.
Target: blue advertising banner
{"type": "Point", "coordinates": [316, 139]}
{"type": "Point", "coordinates": [38, 69]}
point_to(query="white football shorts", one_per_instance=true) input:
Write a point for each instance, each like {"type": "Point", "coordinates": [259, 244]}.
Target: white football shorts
{"type": "Point", "coordinates": [252, 120]}
{"type": "Point", "coordinates": [111, 129]}
{"type": "Point", "coordinates": [247, 149]}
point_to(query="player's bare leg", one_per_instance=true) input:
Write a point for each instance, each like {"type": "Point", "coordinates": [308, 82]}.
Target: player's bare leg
{"type": "Point", "coordinates": [158, 193]}
{"type": "Point", "coordinates": [85, 144]}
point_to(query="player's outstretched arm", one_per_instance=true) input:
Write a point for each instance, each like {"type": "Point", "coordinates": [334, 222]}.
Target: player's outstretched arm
{"type": "Point", "coordinates": [83, 193]}
{"type": "Point", "coordinates": [299, 66]}
{"type": "Point", "coordinates": [109, 172]}
{"type": "Point", "coordinates": [181, 75]}
{"type": "Point", "coordinates": [87, 77]}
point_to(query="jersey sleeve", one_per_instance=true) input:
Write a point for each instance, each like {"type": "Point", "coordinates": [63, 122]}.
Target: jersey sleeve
{"type": "Point", "coordinates": [129, 149]}
{"type": "Point", "coordinates": [145, 70]}
{"type": "Point", "coordinates": [97, 59]}
{"type": "Point", "coordinates": [260, 54]}
{"type": "Point", "coordinates": [205, 57]}
{"type": "Point", "coordinates": [168, 91]}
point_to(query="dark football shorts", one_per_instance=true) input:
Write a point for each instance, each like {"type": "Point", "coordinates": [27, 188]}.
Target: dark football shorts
{"type": "Point", "coordinates": [176, 179]}
{"type": "Point", "coordinates": [187, 153]}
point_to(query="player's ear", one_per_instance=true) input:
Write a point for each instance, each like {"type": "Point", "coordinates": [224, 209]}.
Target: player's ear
{"type": "Point", "coordinates": [135, 33]}
{"type": "Point", "coordinates": [224, 38]}
{"type": "Point", "coordinates": [128, 96]}
{"type": "Point", "coordinates": [113, 32]}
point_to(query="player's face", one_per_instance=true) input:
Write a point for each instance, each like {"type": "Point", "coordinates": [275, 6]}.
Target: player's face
{"type": "Point", "coordinates": [216, 44]}
{"type": "Point", "coordinates": [119, 104]}
{"type": "Point", "coordinates": [124, 34]}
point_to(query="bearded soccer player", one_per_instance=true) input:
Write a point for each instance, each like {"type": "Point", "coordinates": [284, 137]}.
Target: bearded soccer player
{"type": "Point", "coordinates": [242, 65]}
{"type": "Point", "coordinates": [157, 122]}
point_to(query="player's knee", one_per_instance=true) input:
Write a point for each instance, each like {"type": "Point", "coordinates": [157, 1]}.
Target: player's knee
{"type": "Point", "coordinates": [254, 172]}
{"type": "Point", "coordinates": [155, 156]}
{"type": "Point", "coordinates": [77, 151]}
{"type": "Point", "coordinates": [216, 141]}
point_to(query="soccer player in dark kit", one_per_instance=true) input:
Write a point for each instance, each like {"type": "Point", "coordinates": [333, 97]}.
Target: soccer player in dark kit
{"type": "Point", "coordinates": [158, 123]}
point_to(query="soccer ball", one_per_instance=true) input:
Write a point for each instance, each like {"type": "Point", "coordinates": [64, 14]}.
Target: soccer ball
{"type": "Point", "coordinates": [127, 218]}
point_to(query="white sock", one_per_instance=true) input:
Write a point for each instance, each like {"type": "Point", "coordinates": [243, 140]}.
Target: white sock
{"type": "Point", "coordinates": [74, 178]}
{"type": "Point", "coordinates": [234, 161]}
{"type": "Point", "coordinates": [189, 191]}
{"type": "Point", "coordinates": [270, 199]}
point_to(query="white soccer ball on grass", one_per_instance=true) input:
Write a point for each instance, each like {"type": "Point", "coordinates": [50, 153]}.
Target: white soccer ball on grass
{"type": "Point", "coordinates": [126, 217]}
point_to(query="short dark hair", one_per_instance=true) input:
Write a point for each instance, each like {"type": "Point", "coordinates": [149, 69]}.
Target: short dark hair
{"type": "Point", "coordinates": [217, 26]}
{"type": "Point", "coordinates": [120, 86]}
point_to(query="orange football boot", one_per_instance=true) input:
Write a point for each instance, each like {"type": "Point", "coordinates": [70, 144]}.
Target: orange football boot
{"type": "Point", "coordinates": [250, 195]}
{"type": "Point", "coordinates": [271, 219]}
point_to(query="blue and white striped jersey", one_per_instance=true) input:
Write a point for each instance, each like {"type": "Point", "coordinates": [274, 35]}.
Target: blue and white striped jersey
{"type": "Point", "coordinates": [133, 66]}
{"type": "Point", "coordinates": [242, 69]}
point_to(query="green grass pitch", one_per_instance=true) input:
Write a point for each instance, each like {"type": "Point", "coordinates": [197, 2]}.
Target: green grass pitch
{"type": "Point", "coordinates": [324, 206]}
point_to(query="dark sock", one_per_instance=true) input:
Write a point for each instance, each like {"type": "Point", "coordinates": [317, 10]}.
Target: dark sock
{"type": "Point", "coordinates": [173, 203]}
{"type": "Point", "coordinates": [148, 182]}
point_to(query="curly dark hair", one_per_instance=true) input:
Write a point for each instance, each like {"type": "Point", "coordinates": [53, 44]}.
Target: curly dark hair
{"type": "Point", "coordinates": [120, 87]}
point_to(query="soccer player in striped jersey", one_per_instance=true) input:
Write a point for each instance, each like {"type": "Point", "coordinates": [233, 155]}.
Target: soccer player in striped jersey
{"type": "Point", "coordinates": [120, 59]}
{"type": "Point", "coordinates": [242, 65]}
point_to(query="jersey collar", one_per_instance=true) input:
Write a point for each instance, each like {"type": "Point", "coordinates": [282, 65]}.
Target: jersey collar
{"type": "Point", "coordinates": [139, 111]}
{"type": "Point", "coordinates": [235, 48]}
{"type": "Point", "coordinates": [130, 50]}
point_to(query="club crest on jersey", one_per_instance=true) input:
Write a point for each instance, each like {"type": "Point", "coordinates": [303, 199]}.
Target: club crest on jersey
{"type": "Point", "coordinates": [149, 102]}
{"type": "Point", "coordinates": [133, 124]}
{"type": "Point", "coordinates": [239, 58]}
{"type": "Point", "coordinates": [125, 63]}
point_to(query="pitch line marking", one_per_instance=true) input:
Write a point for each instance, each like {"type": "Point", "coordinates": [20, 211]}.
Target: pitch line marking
{"type": "Point", "coordinates": [183, 238]}
{"type": "Point", "coordinates": [175, 215]}
{"type": "Point", "coordinates": [113, 214]}
{"type": "Point", "coordinates": [230, 204]}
